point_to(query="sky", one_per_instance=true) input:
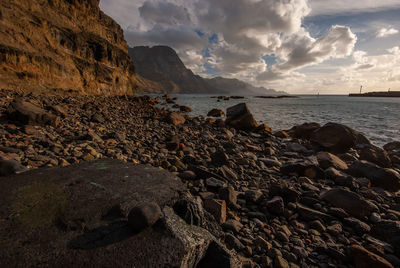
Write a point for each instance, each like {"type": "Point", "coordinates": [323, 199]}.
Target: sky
{"type": "Point", "coordinates": [298, 46]}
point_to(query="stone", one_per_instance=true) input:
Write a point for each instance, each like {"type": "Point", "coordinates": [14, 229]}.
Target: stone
{"type": "Point", "coordinates": [276, 205]}
{"type": "Point", "coordinates": [364, 258]}
{"type": "Point", "coordinates": [375, 155]}
{"type": "Point", "coordinates": [30, 114]}
{"type": "Point", "coordinates": [392, 146]}
{"type": "Point", "coordinates": [303, 131]}
{"type": "Point", "coordinates": [232, 225]}
{"type": "Point", "coordinates": [9, 167]}
{"type": "Point", "coordinates": [339, 177]}
{"type": "Point", "coordinates": [239, 117]}
{"type": "Point", "coordinates": [385, 178]}
{"type": "Point", "coordinates": [185, 109]}
{"type": "Point", "coordinates": [219, 158]}
{"type": "Point", "coordinates": [253, 195]}
{"type": "Point", "coordinates": [143, 216]}
{"type": "Point", "coordinates": [337, 137]}
{"type": "Point", "coordinates": [358, 226]}
{"type": "Point", "coordinates": [217, 208]}
{"type": "Point", "coordinates": [327, 160]}
{"type": "Point", "coordinates": [187, 175]}
{"type": "Point", "coordinates": [351, 202]}
{"type": "Point", "coordinates": [97, 118]}
{"type": "Point", "coordinates": [388, 231]}
{"type": "Point", "coordinates": [216, 113]}
{"type": "Point", "coordinates": [175, 119]}
{"type": "Point", "coordinates": [59, 110]}
{"type": "Point", "coordinates": [233, 243]}
{"type": "Point", "coordinates": [229, 195]}
{"type": "Point", "coordinates": [215, 184]}
{"type": "Point", "coordinates": [302, 168]}
{"type": "Point", "coordinates": [280, 262]}
{"type": "Point", "coordinates": [309, 214]}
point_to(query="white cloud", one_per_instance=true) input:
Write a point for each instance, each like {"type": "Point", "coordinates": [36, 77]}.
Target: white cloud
{"type": "Point", "coordinates": [340, 7]}
{"type": "Point", "coordinates": [383, 32]}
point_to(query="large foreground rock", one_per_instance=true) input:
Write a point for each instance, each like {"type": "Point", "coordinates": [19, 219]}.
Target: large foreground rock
{"type": "Point", "coordinates": [364, 258]}
{"type": "Point", "coordinates": [239, 117]}
{"type": "Point", "coordinates": [337, 138]}
{"type": "Point", "coordinates": [76, 216]}
{"type": "Point", "coordinates": [388, 231]}
{"type": "Point", "coordinates": [351, 202]}
{"type": "Point", "coordinates": [385, 178]}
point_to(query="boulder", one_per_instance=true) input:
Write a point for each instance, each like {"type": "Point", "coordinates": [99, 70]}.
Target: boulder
{"type": "Point", "coordinates": [392, 146]}
{"type": "Point", "coordinates": [303, 131]}
{"type": "Point", "coordinates": [375, 155]}
{"type": "Point", "coordinates": [337, 137]}
{"type": "Point", "coordinates": [327, 160]}
{"type": "Point", "coordinates": [30, 114]}
{"type": "Point", "coordinates": [276, 205]}
{"type": "Point", "coordinates": [216, 113]}
{"type": "Point", "coordinates": [364, 258]}
{"type": "Point", "coordinates": [79, 218]}
{"type": "Point", "coordinates": [351, 202]}
{"type": "Point", "coordinates": [385, 178]}
{"type": "Point", "coordinates": [144, 215]}
{"type": "Point", "coordinates": [185, 109]}
{"type": "Point", "coordinates": [217, 208]}
{"type": "Point", "coordinates": [239, 117]}
{"type": "Point", "coordinates": [303, 168]}
{"type": "Point", "coordinates": [175, 119]}
{"type": "Point", "coordinates": [388, 231]}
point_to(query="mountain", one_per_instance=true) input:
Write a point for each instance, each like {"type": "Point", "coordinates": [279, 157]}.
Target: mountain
{"type": "Point", "coordinates": [160, 70]}
{"type": "Point", "coordinates": [162, 65]}
{"type": "Point", "coordinates": [62, 46]}
{"type": "Point", "coordinates": [232, 85]}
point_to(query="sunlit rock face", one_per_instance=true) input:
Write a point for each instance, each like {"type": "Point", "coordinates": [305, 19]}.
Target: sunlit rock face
{"type": "Point", "coordinates": [62, 45]}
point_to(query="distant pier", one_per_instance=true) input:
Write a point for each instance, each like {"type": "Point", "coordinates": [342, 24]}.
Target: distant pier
{"type": "Point", "coordinates": [377, 94]}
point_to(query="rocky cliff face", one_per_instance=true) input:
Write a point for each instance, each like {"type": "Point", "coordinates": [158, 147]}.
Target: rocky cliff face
{"type": "Point", "coordinates": [162, 65]}
{"type": "Point", "coordinates": [62, 45]}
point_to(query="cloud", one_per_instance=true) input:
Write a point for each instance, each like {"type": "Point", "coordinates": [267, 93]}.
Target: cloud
{"type": "Point", "coordinates": [383, 32]}
{"type": "Point", "coordinates": [164, 13]}
{"type": "Point", "coordinates": [341, 7]}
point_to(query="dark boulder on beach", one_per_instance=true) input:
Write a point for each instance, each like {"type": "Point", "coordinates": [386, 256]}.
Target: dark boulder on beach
{"type": "Point", "coordinates": [77, 215]}
{"type": "Point", "coordinates": [385, 178]}
{"type": "Point", "coordinates": [337, 137]}
{"type": "Point", "coordinates": [240, 117]}
{"type": "Point", "coordinates": [375, 155]}
{"type": "Point", "coordinates": [303, 131]}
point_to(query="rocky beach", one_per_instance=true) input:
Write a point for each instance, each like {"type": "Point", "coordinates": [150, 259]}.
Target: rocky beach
{"type": "Point", "coordinates": [119, 174]}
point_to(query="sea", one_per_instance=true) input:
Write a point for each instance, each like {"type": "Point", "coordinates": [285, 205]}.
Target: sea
{"type": "Point", "coordinates": [377, 118]}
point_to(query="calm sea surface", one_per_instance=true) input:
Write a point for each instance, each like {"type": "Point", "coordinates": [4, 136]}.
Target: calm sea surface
{"type": "Point", "coordinates": [377, 118]}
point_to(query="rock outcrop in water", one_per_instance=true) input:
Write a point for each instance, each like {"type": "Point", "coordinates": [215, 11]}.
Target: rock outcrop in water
{"type": "Point", "coordinates": [62, 46]}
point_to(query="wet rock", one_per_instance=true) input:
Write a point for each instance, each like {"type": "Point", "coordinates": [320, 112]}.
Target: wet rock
{"type": "Point", "coordinates": [143, 216]}
{"type": "Point", "coordinates": [175, 119]}
{"type": "Point", "coordinates": [276, 205]}
{"type": "Point", "coordinates": [216, 113]}
{"type": "Point", "coordinates": [337, 138]}
{"type": "Point", "coordinates": [217, 208]}
{"type": "Point", "coordinates": [327, 160]}
{"type": "Point", "coordinates": [386, 178]}
{"type": "Point", "coordinates": [9, 167]}
{"type": "Point", "coordinates": [364, 258]}
{"type": "Point", "coordinates": [185, 109]}
{"type": "Point", "coordinates": [239, 117]}
{"type": "Point", "coordinates": [28, 113]}
{"type": "Point", "coordinates": [351, 202]}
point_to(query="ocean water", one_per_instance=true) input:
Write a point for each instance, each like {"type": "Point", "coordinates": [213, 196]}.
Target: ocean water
{"type": "Point", "coordinates": [377, 118]}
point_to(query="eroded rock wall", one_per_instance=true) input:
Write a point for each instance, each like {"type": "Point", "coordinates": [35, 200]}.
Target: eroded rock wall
{"type": "Point", "coordinates": [62, 45]}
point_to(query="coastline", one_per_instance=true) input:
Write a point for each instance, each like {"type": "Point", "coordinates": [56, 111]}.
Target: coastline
{"type": "Point", "coordinates": [281, 191]}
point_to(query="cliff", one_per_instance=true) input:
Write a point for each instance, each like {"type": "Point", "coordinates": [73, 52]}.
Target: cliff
{"type": "Point", "coordinates": [160, 70]}
{"type": "Point", "coordinates": [162, 65]}
{"type": "Point", "coordinates": [62, 45]}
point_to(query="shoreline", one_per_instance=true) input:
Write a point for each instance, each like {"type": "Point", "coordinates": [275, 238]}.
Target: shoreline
{"type": "Point", "coordinates": [284, 189]}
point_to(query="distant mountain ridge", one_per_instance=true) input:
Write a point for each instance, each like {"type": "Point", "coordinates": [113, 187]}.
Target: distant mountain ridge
{"type": "Point", "coordinates": [160, 70]}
